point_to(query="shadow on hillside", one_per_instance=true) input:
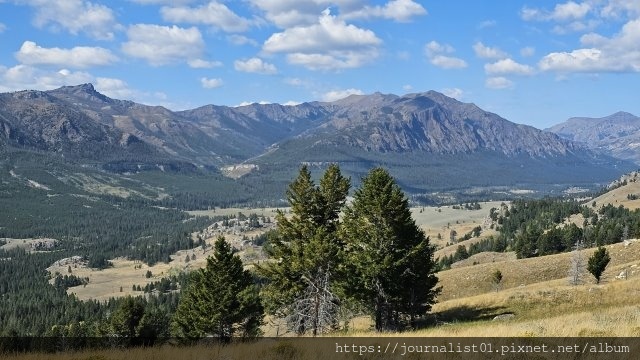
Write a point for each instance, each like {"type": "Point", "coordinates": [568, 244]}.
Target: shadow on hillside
{"type": "Point", "coordinates": [463, 313]}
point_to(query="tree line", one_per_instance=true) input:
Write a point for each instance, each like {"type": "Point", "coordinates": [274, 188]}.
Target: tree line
{"type": "Point", "coordinates": [373, 260]}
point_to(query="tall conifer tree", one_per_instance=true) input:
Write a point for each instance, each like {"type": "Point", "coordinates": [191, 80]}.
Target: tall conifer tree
{"type": "Point", "coordinates": [391, 259]}
{"type": "Point", "coordinates": [307, 252]}
{"type": "Point", "coordinates": [221, 300]}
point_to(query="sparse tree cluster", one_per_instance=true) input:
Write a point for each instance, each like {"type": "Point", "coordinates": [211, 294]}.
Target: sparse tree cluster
{"type": "Point", "coordinates": [376, 257]}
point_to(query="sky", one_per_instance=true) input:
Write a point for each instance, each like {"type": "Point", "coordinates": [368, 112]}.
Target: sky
{"type": "Point", "coordinates": [531, 62]}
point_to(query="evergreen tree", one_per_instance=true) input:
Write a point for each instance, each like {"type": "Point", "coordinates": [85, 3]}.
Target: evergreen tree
{"type": "Point", "coordinates": [303, 280]}
{"type": "Point", "coordinates": [391, 259]}
{"type": "Point", "coordinates": [127, 316]}
{"type": "Point", "coordinates": [598, 262]}
{"type": "Point", "coordinates": [221, 300]}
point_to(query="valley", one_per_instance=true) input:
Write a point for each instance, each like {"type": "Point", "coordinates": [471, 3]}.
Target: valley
{"type": "Point", "coordinates": [115, 201]}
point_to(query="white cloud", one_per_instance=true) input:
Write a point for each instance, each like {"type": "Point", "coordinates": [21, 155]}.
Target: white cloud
{"type": "Point", "coordinates": [498, 83]}
{"type": "Point", "coordinates": [507, 67]}
{"type": "Point", "coordinates": [160, 45]}
{"type": "Point", "coordinates": [568, 11]}
{"type": "Point", "coordinates": [161, 2]}
{"type": "Point", "coordinates": [435, 51]}
{"type": "Point", "coordinates": [576, 26]}
{"type": "Point", "coordinates": [329, 44]}
{"type": "Point", "coordinates": [203, 64]}
{"type": "Point", "coordinates": [114, 88]}
{"type": "Point", "coordinates": [407, 87]}
{"type": "Point", "coordinates": [78, 57]}
{"type": "Point", "coordinates": [213, 14]}
{"type": "Point", "coordinates": [434, 48]}
{"type": "Point", "coordinates": [75, 16]}
{"type": "Point", "coordinates": [247, 103]}
{"type": "Point", "coordinates": [397, 10]}
{"type": "Point", "coordinates": [448, 62]}
{"type": "Point", "coordinates": [340, 94]}
{"type": "Point", "coordinates": [291, 103]}
{"type": "Point", "coordinates": [329, 33]}
{"type": "Point", "coordinates": [22, 77]}
{"type": "Point", "coordinates": [618, 8]}
{"type": "Point", "coordinates": [453, 93]}
{"type": "Point", "coordinates": [3, 27]}
{"type": "Point", "coordinates": [211, 83]}
{"type": "Point", "coordinates": [527, 51]}
{"type": "Point", "coordinates": [619, 53]}
{"type": "Point", "coordinates": [487, 52]}
{"type": "Point", "coordinates": [237, 39]}
{"type": "Point", "coordinates": [292, 13]}
{"type": "Point", "coordinates": [255, 65]}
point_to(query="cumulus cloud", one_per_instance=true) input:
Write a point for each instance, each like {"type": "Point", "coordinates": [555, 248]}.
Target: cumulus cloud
{"type": "Point", "coordinates": [203, 64]}
{"type": "Point", "coordinates": [397, 10]}
{"type": "Point", "coordinates": [329, 44]}
{"type": "Point", "coordinates": [114, 88]}
{"type": "Point", "coordinates": [75, 16]}
{"type": "Point", "coordinates": [292, 13]}
{"type": "Point", "coordinates": [213, 14]}
{"type": "Point", "coordinates": [435, 52]}
{"type": "Point", "coordinates": [562, 12]}
{"type": "Point", "coordinates": [508, 67]}
{"type": "Point", "coordinates": [237, 39]}
{"type": "Point", "coordinates": [498, 83]}
{"type": "Point", "coordinates": [78, 57]}
{"type": "Point", "coordinates": [453, 93]}
{"type": "Point", "coordinates": [255, 65]}
{"type": "Point", "coordinates": [211, 83]}
{"type": "Point", "coordinates": [23, 76]}
{"type": "Point", "coordinates": [618, 8]}
{"type": "Point", "coordinates": [162, 2]}
{"type": "Point", "coordinates": [340, 94]}
{"type": "Point", "coordinates": [619, 53]}
{"type": "Point", "coordinates": [486, 52]}
{"type": "Point", "coordinates": [160, 45]}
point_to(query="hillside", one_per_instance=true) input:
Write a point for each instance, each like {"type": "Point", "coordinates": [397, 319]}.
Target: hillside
{"type": "Point", "coordinates": [427, 140]}
{"type": "Point", "coordinates": [420, 136]}
{"type": "Point", "coordinates": [624, 192]}
{"type": "Point", "coordinates": [617, 134]}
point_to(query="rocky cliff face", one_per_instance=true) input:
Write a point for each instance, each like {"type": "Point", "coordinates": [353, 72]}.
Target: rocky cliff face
{"type": "Point", "coordinates": [617, 134]}
{"type": "Point", "coordinates": [417, 131]}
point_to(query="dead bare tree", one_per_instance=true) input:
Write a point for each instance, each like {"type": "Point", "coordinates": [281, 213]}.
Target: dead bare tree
{"type": "Point", "coordinates": [317, 308]}
{"type": "Point", "coordinates": [578, 264]}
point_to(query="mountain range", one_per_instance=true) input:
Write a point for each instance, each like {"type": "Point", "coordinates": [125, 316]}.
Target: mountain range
{"type": "Point", "coordinates": [427, 140]}
{"type": "Point", "coordinates": [617, 134]}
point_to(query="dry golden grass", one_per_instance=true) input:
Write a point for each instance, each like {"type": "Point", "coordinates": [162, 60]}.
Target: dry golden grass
{"type": "Point", "coordinates": [462, 282]}
{"type": "Point", "coordinates": [618, 196]}
{"type": "Point", "coordinates": [106, 283]}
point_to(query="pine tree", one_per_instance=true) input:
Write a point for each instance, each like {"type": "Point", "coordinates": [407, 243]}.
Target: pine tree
{"type": "Point", "coordinates": [598, 262]}
{"type": "Point", "coordinates": [391, 259]}
{"type": "Point", "coordinates": [221, 300]}
{"type": "Point", "coordinates": [127, 316]}
{"type": "Point", "coordinates": [303, 279]}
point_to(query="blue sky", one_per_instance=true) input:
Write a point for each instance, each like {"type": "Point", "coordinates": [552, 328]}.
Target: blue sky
{"type": "Point", "coordinates": [535, 62]}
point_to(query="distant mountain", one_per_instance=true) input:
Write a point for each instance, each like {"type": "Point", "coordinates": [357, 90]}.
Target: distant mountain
{"type": "Point", "coordinates": [617, 134]}
{"type": "Point", "coordinates": [432, 141]}
{"type": "Point", "coordinates": [428, 140]}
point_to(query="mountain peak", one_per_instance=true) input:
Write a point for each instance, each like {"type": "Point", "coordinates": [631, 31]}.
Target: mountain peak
{"type": "Point", "coordinates": [82, 92]}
